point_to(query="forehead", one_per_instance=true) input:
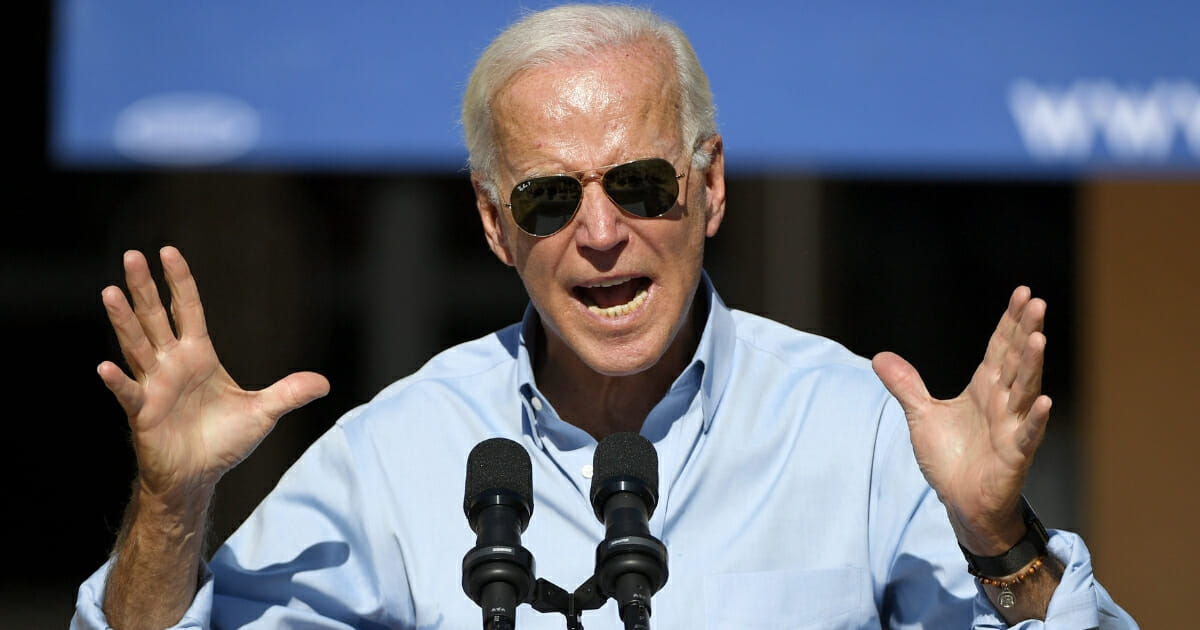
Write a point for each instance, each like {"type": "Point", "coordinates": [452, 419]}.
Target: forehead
{"type": "Point", "coordinates": [588, 111]}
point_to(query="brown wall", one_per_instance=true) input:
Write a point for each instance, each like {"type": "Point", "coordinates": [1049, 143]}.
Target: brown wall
{"type": "Point", "coordinates": [1139, 369]}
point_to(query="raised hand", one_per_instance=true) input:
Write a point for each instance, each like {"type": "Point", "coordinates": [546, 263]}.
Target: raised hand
{"type": "Point", "coordinates": [976, 449]}
{"type": "Point", "coordinates": [190, 421]}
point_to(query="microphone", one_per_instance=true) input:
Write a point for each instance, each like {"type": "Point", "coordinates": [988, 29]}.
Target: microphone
{"type": "Point", "coordinates": [631, 565]}
{"type": "Point", "coordinates": [498, 572]}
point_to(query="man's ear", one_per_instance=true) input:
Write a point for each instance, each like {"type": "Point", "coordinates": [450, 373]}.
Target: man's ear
{"type": "Point", "coordinates": [714, 185]}
{"type": "Point", "coordinates": [493, 223]}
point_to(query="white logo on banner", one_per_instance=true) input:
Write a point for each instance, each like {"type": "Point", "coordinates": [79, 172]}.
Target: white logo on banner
{"type": "Point", "coordinates": [1134, 124]}
{"type": "Point", "coordinates": [186, 129]}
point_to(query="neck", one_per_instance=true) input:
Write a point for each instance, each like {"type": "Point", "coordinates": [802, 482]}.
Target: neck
{"type": "Point", "coordinates": [601, 404]}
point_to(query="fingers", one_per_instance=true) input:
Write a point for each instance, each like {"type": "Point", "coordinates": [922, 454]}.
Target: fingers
{"type": "Point", "coordinates": [902, 380]}
{"type": "Point", "coordinates": [185, 297]}
{"type": "Point", "coordinates": [1031, 320]}
{"type": "Point", "coordinates": [144, 327]}
{"type": "Point", "coordinates": [126, 390]}
{"type": "Point", "coordinates": [1023, 317]}
{"type": "Point", "coordinates": [1032, 429]}
{"type": "Point", "coordinates": [1018, 349]}
{"type": "Point", "coordinates": [998, 345]}
{"type": "Point", "coordinates": [1026, 384]}
{"type": "Point", "coordinates": [146, 303]}
{"type": "Point", "coordinates": [136, 349]}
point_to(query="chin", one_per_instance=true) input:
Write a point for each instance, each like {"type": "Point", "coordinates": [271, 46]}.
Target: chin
{"type": "Point", "coordinates": [624, 357]}
{"type": "Point", "coordinates": [621, 366]}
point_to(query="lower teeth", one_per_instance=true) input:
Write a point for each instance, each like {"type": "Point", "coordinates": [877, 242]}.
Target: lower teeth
{"type": "Point", "coordinates": [621, 309]}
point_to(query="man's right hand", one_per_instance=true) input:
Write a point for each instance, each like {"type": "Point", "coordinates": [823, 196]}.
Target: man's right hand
{"type": "Point", "coordinates": [190, 424]}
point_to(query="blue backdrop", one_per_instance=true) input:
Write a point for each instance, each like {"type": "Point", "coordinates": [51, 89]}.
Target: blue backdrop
{"type": "Point", "coordinates": [1016, 88]}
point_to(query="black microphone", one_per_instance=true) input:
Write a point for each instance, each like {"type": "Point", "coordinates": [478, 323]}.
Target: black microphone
{"type": "Point", "coordinates": [631, 565]}
{"type": "Point", "coordinates": [498, 572]}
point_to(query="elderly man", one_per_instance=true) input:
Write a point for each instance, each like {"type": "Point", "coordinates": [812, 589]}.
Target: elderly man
{"type": "Point", "coordinates": [798, 487]}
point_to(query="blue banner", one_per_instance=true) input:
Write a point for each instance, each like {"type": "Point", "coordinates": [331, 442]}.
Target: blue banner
{"type": "Point", "coordinates": [1018, 88]}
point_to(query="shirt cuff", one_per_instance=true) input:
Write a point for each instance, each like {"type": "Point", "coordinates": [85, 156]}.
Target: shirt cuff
{"type": "Point", "coordinates": [89, 611]}
{"type": "Point", "coordinates": [1074, 603]}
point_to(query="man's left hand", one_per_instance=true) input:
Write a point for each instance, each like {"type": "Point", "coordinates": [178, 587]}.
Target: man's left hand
{"type": "Point", "coordinates": [976, 449]}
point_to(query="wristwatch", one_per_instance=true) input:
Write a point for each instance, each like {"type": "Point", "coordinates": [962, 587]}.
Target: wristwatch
{"type": "Point", "coordinates": [1032, 545]}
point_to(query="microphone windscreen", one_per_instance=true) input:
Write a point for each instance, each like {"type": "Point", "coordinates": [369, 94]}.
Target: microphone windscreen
{"type": "Point", "coordinates": [498, 464]}
{"type": "Point", "coordinates": [625, 455]}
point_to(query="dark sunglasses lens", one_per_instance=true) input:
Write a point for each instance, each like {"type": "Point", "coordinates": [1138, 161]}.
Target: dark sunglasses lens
{"type": "Point", "coordinates": [645, 188]}
{"type": "Point", "coordinates": [543, 205]}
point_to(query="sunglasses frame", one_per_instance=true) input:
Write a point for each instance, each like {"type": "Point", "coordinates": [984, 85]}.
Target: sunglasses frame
{"type": "Point", "coordinates": [594, 174]}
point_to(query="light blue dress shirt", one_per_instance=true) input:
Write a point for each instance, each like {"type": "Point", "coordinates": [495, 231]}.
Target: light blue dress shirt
{"type": "Point", "coordinates": [789, 498]}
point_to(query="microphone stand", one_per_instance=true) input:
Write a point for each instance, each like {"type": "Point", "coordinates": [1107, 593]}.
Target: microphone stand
{"type": "Point", "coordinates": [548, 597]}
{"type": "Point", "coordinates": [623, 566]}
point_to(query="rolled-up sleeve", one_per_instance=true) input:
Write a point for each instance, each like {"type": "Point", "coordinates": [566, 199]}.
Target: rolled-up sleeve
{"type": "Point", "coordinates": [1078, 602]}
{"type": "Point", "coordinates": [89, 603]}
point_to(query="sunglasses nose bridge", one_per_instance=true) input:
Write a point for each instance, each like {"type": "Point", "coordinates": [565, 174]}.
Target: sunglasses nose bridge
{"type": "Point", "coordinates": [598, 220]}
{"type": "Point", "coordinates": [590, 176]}
{"type": "Point", "coordinates": [593, 177]}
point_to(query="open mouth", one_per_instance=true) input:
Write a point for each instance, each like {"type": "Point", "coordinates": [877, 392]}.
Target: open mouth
{"type": "Point", "coordinates": [614, 298]}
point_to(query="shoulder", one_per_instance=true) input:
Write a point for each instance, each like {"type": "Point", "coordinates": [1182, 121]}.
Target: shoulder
{"type": "Point", "coordinates": [764, 340]}
{"type": "Point", "coordinates": [810, 382]}
{"type": "Point", "coordinates": [469, 376]}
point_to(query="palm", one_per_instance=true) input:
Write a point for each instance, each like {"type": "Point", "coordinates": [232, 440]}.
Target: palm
{"type": "Point", "coordinates": [976, 449]}
{"type": "Point", "coordinates": [194, 422]}
{"type": "Point", "coordinates": [190, 421]}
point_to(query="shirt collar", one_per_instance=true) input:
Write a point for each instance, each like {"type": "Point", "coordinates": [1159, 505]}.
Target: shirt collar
{"type": "Point", "coordinates": [713, 356]}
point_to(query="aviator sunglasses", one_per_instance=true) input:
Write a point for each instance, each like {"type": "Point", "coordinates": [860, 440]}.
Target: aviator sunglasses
{"type": "Point", "coordinates": [643, 188]}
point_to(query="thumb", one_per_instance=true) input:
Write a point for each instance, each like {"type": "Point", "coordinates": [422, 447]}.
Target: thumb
{"type": "Point", "coordinates": [902, 380]}
{"type": "Point", "coordinates": [292, 392]}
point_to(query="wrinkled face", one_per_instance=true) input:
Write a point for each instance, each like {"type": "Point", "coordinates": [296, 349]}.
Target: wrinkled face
{"type": "Point", "coordinates": [613, 291]}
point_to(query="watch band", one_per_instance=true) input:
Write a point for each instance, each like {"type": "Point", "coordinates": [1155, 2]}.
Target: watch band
{"type": "Point", "coordinates": [1031, 546]}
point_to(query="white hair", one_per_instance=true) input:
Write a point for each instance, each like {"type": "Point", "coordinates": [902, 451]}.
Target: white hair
{"type": "Point", "coordinates": [570, 31]}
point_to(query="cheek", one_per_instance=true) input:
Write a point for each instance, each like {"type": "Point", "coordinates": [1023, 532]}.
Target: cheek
{"type": "Point", "coordinates": [534, 259]}
{"type": "Point", "coordinates": [697, 217]}
{"type": "Point", "coordinates": [518, 244]}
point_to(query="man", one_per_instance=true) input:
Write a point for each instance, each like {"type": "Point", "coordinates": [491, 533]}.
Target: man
{"type": "Point", "coordinates": [795, 491]}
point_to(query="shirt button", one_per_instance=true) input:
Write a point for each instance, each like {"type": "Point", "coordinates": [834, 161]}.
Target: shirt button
{"type": "Point", "coordinates": [536, 403]}
{"type": "Point", "coordinates": [587, 471]}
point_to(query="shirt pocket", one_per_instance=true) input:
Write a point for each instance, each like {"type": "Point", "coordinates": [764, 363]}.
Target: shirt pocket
{"type": "Point", "coordinates": [810, 599]}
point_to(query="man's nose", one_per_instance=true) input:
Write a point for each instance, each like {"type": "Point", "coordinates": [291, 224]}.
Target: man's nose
{"type": "Point", "coordinates": [599, 223]}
